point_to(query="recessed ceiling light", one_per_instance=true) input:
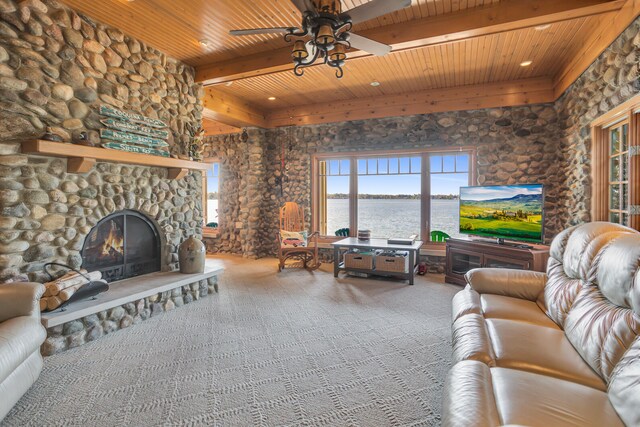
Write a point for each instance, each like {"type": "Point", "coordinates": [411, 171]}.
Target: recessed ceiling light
{"type": "Point", "coordinates": [542, 27]}
{"type": "Point", "coordinates": [227, 84]}
{"type": "Point", "coordinates": [204, 42]}
{"type": "Point", "coordinates": [375, 83]}
{"type": "Point", "coordinates": [526, 63]}
{"type": "Point", "coordinates": [271, 98]}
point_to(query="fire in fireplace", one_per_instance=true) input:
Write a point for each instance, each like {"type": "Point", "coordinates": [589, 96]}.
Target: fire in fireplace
{"type": "Point", "coordinates": [124, 244]}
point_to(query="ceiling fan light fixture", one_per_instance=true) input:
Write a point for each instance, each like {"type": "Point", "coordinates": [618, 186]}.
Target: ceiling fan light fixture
{"type": "Point", "coordinates": [325, 32]}
{"type": "Point", "coordinates": [339, 53]}
{"type": "Point", "coordinates": [325, 36]}
{"type": "Point", "coordinates": [299, 51]}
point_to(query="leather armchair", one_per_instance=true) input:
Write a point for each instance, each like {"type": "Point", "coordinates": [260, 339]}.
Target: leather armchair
{"type": "Point", "coordinates": [21, 335]}
{"type": "Point", "coordinates": [554, 349]}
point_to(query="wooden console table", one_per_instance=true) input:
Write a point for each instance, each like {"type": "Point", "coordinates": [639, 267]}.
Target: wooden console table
{"type": "Point", "coordinates": [372, 245]}
{"type": "Point", "coordinates": [466, 254]}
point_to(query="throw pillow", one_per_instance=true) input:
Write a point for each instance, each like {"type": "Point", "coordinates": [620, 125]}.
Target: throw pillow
{"type": "Point", "coordinates": [293, 239]}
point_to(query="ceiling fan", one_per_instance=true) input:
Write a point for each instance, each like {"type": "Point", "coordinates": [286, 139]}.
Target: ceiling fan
{"type": "Point", "coordinates": [327, 31]}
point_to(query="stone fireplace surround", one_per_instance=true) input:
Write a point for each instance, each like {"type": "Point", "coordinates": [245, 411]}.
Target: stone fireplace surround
{"type": "Point", "coordinates": [47, 213]}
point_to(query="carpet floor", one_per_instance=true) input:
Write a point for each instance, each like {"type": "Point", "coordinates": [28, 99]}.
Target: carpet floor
{"type": "Point", "coordinates": [294, 348]}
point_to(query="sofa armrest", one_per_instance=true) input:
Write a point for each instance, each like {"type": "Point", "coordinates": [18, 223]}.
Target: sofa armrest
{"type": "Point", "coordinates": [468, 397]}
{"type": "Point", "coordinates": [20, 299]}
{"type": "Point", "coordinates": [523, 284]}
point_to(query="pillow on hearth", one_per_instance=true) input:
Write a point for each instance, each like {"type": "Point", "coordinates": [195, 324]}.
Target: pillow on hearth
{"type": "Point", "coordinates": [293, 239]}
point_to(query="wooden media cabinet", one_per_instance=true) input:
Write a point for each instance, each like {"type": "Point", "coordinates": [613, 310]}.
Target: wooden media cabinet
{"type": "Point", "coordinates": [466, 254]}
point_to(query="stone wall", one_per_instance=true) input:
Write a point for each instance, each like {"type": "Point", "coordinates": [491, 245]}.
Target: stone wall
{"type": "Point", "coordinates": [607, 83]}
{"type": "Point", "coordinates": [514, 145]}
{"type": "Point", "coordinates": [56, 68]}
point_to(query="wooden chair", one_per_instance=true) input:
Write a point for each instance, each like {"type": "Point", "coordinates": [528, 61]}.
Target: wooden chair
{"type": "Point", "coordinates": [292, 219]}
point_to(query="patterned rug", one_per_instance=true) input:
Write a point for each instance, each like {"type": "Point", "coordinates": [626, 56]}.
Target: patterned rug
{"type": "Point", "coordinates": [294, 348]}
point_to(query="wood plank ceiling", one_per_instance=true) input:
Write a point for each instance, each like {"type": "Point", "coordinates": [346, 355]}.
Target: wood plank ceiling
{"type": "Point", "coordinates": [176, 27]}
{"type": "Point", "coordinates": [488, 59]}
{"type": "Point", "coordinates": [490, 54]}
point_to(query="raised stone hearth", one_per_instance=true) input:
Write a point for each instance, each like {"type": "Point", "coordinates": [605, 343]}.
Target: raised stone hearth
{"type": "Point", "coordinates": [127, 302]}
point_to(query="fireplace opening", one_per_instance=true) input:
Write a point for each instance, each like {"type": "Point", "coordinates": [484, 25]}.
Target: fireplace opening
{"type": "Point", "coordinates": [122, 245]}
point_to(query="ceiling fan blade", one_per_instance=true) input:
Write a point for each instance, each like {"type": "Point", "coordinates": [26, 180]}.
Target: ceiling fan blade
{"type": "Point", "coordinates": [251, 31]}
{"type": "Point", "coordinates": [304, 5]}
{"type": "Point", "coordinates": [374, 9]}
{"type": "Point", "coordinates": [368, 45]}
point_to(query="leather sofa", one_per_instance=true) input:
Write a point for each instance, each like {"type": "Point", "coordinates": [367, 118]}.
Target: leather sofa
{"type": "Point", "coordinates": [21, 335]}
{"type": "Point", "coordinates": [554, 349]}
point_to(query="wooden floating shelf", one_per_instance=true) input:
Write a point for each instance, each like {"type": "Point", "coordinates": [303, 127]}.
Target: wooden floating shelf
{"type": "Point", "coordinates": [81, 159]}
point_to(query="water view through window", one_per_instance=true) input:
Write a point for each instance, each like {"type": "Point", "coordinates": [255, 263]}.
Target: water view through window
{"type": "Point", "coordinates": [212, 183]}
{"type": "Point", "coordinates": [389, 199]}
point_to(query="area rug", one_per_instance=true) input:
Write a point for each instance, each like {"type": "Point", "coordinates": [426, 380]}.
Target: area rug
{"type": "Point", "coordinates": [292, 348]}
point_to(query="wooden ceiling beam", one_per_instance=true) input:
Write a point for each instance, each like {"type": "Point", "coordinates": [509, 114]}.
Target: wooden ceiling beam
{"type": "Point", "coordinates": [213, 127]}
{"type": "Point", "coordinates": [608, 30]}
{"type": "Point", "coordinates": [507, 15]}
{"type": "Point", "coordinates": [472, 97]}
{"type": "Point", "coordinates": [231, 110]}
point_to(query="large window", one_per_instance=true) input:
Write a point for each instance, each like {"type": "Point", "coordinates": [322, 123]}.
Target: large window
{"type": "Point", "coordinates": [447, 173]}
{"type": "Point", "coordinates": [389, 196]}
{"type": "Point", "coordinates": [615, 165]}
{"type": "Point", "coordinates": [211, 187]}
{"type": "Point", "coordinates": [395, 194]}
{"type": "Point", "coordinates": [619, 173]}
{"type": "Point", "coordinates": [333, 209]}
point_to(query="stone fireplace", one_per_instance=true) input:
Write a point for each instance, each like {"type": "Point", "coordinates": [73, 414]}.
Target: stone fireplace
{"type": "Point", "coordinates": [126, 220]}
{"type": "Point", "coordinates": [122, 245]}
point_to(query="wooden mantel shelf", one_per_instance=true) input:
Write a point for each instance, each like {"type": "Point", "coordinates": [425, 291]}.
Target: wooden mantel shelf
{"type": "Point", "coordinates": [80, 158]}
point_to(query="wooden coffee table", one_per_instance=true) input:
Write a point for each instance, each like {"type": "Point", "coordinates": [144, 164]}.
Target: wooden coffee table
{"type": "Point", "coordinates": [372, 245]}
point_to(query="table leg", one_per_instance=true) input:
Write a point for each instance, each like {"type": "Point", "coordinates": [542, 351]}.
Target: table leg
{"type": "Point", "coordinates": [336, 261]}
{"type": "Point", "coordinates": [412, 266]}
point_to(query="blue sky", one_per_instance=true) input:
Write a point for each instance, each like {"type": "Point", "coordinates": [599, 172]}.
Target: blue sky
{"type": "Point", "coordinates": [399, 184]}
{"type": "Point", "coordinates": [499, 191]}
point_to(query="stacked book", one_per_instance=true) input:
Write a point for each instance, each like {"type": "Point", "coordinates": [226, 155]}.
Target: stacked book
{"type": "Point", "coordinates": [364, 234]}
{"type": "Point", "coordinates": [133, 132]}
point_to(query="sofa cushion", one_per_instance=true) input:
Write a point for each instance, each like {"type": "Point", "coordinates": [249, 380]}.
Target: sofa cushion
{"type": "Point", "coordinates": [624, 388]}
{"type": "Point", "coordinates": [545, 351]}
{"type": "Point", "coordinates": [525, 398]}
{"type": "Point", "coordinates": [600, 331]}
{"type": "Point", "coordinates": [572, 254]}
{"type": "Point", "coordinates": [502, 307]}
{"type": "Point", "coordinates": [19, 338]}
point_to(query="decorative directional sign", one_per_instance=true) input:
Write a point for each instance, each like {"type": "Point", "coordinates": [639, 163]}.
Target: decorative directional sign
{"type": "Point", "coordinates": [132, 138]}
{"type": "Point", "coordinates": [108, 111]}
{"type": "Point", "coordinates": [135, 128]}
{"type": "Point", "coordinates": [134, 149]}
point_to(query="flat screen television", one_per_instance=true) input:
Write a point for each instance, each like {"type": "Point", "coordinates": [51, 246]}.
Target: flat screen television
{"type": "Point", "coordinates": [513, 212]}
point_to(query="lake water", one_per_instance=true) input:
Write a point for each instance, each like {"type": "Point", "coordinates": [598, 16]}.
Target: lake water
{"type": "Point", "coordinates": [384, 217]}
{"type": "Point", "coordinates": [393, 218]}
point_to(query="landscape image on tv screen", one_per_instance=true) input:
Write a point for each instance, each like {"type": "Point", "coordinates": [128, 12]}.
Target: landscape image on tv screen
{"type": "Point", "coordinates": [508, 211]}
